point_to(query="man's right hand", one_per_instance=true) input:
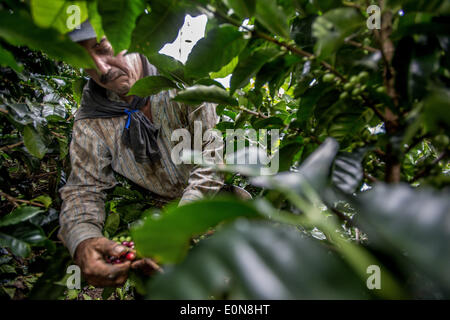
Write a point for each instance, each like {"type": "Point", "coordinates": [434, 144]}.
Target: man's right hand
{"type": "Point", "coordinates": [90, 257]}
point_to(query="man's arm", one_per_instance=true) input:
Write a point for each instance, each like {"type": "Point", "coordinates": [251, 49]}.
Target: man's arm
{"type": "Point", "coordinates": [82, 213]}
{"type": "Point", "coordinates": [204, 180]}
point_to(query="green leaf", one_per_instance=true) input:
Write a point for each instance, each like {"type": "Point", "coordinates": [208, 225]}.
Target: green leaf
{"type": "Point", "coordinates": [436, 106]}
{"type": "Point", "coordinates": [412, 224]}
{"type": "Point", "coordinates": [168, 67]}
{"type": "Point", "coordinates": [166, 238]}
{"type": "Point", "coordinates": [29, 233]}
{"type": "Point", "coordinates": [287, 154]}
{"type": "Point", "coordinates": [56, 14]}
{"type": "Point", "coordinates": [208, 55]}
{"type": "Point", "coordinates": [77, 89]}
{"type": "Point", "coordinates": [107, 292]}
{"type": "Point", "coordinates": [112, 223]}
{"type": "Point", "coordinates": [33, 142]}
{"type": "Point", "coordinates": [151, 85]}
{"type": "Point", "coordinates": [226, 70]}
{"type": "Point", "coordinates": [333, 27]}
{"type": "Point", "coordinates": [250, 260]}
{"type": "Point", "coordinates": [250, 65]}
{"type": "Point", "coordinates": [19, 30]}
{"type": "Point", "coordinates": [314, 171]}
{"type": "Point", "coordinates": [72, 294]}
{"type": "Point", "coordinates": [197, 94]}
{"type": "Point", "coordinates": [19, 215]}
{"type": "Point", "coordinates": [159, 27]}
{"type": "Point", "coordinates": [7, 60]}
{"type": "Point", "coordinates": [119, 20]}
{"type": "Point", "coordinates": [302, 32]}
{"type": "Point", "coordinates": [346, 126]}
{"type": "Point", "coordinates": [44, 199]}
{"type": "Point", "coordinates": [49, 286]}
{"type": "Point", "coordinates": [269, 123]}
{"type": "Point", "coordinates": [243, 8]}
{"type": "Point", "coordinates": [18, 247]}
{"type": "Point", "coordinates": [272, 17]}
{"type": "Point", "coordinates": [95, 19]}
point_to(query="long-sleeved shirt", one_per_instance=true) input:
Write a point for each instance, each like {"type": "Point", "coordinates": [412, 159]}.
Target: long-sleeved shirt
{"type": "Point", "coordinates": [96, 150]}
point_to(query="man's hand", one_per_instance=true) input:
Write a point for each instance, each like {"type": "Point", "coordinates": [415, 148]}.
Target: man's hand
{"type": "Point", "coordinates": [90, 255]}
{"type": "Point", "coordinates": [146, 266]}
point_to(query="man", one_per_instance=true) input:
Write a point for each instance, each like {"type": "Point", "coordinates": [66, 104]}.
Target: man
{"type": "Point", "coordinates": [128, 135]}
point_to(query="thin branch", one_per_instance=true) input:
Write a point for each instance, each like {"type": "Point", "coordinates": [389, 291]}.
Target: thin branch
{"type": "Point", "coordinates": [11, 146]}
{"type": "Point", "coordinates": [360, 45]}
{"type": "Point", "coordinates": [15, 200]}
{"type": "Point", "coordinates": [370, 178]}
{"type": "Point", "coordinates": [258, 114]}
{"type": "Point", "coordinates": [57, 135]}
{"type": "Point", "coordinates": [342, 216]}
{"type": "Point", "coordinates": [428, 168]}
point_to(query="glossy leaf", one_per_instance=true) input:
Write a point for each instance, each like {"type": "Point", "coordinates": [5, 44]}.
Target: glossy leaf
{"type": "Point", "coordinates": [7, 60]}
{"type": "Point", "coordinates": [18, 247]}
{"type": "Point", "coordinates": [18, 29]}
{"type": "Point", "coordinates": [58, 14]}
{"type": "Point", "coordinates": [112, 223]}
{"type": "Point", "coordinates": [232, 263]}
{"type": "Point", "coordinates": [333, 27]}
{"type": "Point", "coordinates": [243, 8]}
{"type": "Point", "coordinates": [209, 55]}
{"type": "Point", "coordinates": [19, 215]}
{"type": "Point", "coordinates": [166, 238]}
{"type": "Point", "coordinates": [197, 94]}
{"type": "Point", "coordinates": [151, 85]}
{"type": "Point", "coordinates": [314, 171]}
{"type": "Point", "coordinates": [250, 65]}
{"type": "Point", "coordinates": [119, 20]}
{"type": "Point", "coordinates": [414, 222]}
{"type": "Point", "coordinates": [33, 142]}
{"type": "Point", "coordinates": [272, 17]}
{"type": "Point", "coordinates": [157, 28]}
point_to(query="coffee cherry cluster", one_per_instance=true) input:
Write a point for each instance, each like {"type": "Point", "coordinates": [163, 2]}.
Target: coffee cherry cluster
{"type": "Point", "coordinates": [125, 255]}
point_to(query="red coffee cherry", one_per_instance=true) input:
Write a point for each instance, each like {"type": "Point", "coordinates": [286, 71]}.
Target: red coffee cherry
{"type": "Point", "coordinates": [130, 256]}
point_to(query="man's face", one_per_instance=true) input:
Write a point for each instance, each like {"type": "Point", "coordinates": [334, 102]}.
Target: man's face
{"type": "Point", "coordinates": [118, 72]}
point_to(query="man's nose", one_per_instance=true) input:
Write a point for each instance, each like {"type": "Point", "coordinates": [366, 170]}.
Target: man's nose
{"type": "Point", "coordinates": [102, 66]}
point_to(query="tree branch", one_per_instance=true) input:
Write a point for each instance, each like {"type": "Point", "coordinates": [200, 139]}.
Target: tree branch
{"type": "Point", "coordinates": [11, 146]}
{"type": "Point", "coordinates": [257, 114]}
{"type": "Point", "coordinates": [15, 200]}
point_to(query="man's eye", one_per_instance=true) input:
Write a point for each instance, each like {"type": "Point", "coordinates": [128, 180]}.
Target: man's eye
{"type": "Point", "coordinates": [104, 50]}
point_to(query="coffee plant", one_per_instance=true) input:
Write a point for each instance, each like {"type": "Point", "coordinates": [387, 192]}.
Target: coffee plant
{"type": "Point", "coordinates": [360, 97]}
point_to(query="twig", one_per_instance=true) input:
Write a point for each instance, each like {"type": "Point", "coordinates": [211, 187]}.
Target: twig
{"type": "Point", "coordinates": [11, 146]}
{"type": "Point", "coordinates": [41, 175]}
{"type": "Point", "coordinates": [342, 216]}
{"type": "Point", "coordinates": [15, 200]}
{"type": "Point", "coordinates": [428, 168]}
{"type": "Point", "coordinates": [370, 178]}
{"type": "Point", "coordinates": [360, 45]}
{"type": "Point", "coordinates": [258, 114]}
{"type": "Point", "coordinates": [57, 135]}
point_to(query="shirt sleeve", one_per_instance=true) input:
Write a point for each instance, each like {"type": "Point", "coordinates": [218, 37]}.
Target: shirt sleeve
{"type": "Point", "coordinates": [203, 180]}
{"type": "Point", "coordinates": [83, 209]}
